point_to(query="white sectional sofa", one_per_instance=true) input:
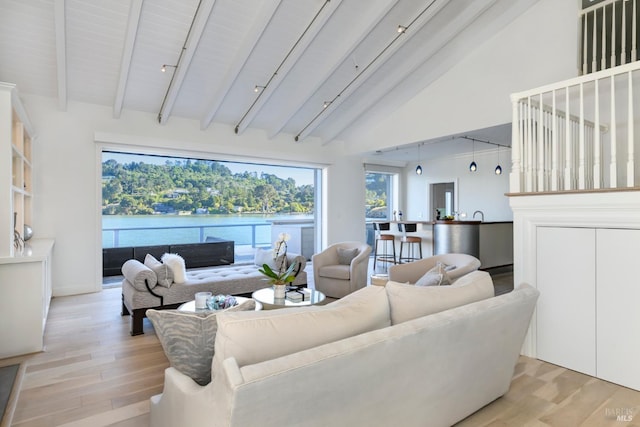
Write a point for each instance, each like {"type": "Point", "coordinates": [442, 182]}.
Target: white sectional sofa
{"type": "Point", "coordinates": [141, 291]}
{"type": "Point", "coordinates": [381, 356]}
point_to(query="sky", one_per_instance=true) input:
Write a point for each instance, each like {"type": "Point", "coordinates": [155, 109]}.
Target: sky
{"type": "Point", "coordinates": [302, 176]}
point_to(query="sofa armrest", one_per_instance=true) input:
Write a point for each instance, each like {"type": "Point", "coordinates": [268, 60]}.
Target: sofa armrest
{"type": "Point", "coordinates": [411, 271]}
{"type": "Point", "coordinates": [299, 260]}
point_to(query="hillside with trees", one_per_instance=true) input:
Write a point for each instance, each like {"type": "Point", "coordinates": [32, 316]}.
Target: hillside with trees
{"type": "Point", "coordinates": [197, 186]}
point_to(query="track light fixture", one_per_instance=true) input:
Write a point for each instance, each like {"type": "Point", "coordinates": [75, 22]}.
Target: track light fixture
{"type": "Point", "coordinates": [164, 67]}
{"type": "Point", "coordinates": [401, 30]}
{"type": "Point", "coordinates": [419, 168]}
{"type": "Point", "coordinates": [326, 104]}
{"type": "Point", "coordinates": [262, 89]}
{"type": "Point", "coordinates": [498, 170]}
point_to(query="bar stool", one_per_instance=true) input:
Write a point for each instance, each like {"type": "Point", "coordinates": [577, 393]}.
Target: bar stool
{"type": "Point", "coordinates": [385, 256]}
{"type": "Point", "coordinates": [411, 241]}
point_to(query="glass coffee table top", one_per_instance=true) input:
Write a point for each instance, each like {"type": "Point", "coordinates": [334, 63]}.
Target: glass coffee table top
{"type": "Point", "coordinates": [266, 298]}
{"type": "Point", "coordinates": [190, 306]}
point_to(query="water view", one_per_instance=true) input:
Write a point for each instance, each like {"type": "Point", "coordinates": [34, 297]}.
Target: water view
{"type": "Point", "coordinates": [143, 230]}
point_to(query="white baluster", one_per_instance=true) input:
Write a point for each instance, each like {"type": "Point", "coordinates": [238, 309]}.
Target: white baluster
{"type": "Point", "coordinates": [528, 152]}
{"type": "Point", "coordinates": [554, 143]}
{"type": "Point", "coordinates": [567, 142]}
{"type": "Point", "coordinates": [634, 35]}
{"type": "Point", "coordinates": [630, 161]}
{"type": "Point", "coordinates": [581, 138]}
{"type": "Point", "coordinates": [596, 139]}
{"type": "Point", "coordinates": [515, 177]}
{"type": "Point", "coordinates": [540, 144]}
{"type": "Point", "coordinates": [584, 43]}
{"type": "Point", "coordinates": [594, 43]}
{"type": "Point", "coordinates": [613, 35]}
{"type": "Point", "coordinates": [623, 34]}
{"type": "Point", "coordinates": [613, 169]}
{"type": "Point", "coordinates": [603, 56]}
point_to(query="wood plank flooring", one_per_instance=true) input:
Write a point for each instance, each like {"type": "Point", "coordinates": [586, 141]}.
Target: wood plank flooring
{"type": "Point", "coordinates": [93, 373]}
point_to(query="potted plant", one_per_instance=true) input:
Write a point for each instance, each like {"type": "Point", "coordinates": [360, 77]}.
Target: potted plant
{"type": "Point", "coordinates": [280, 277]}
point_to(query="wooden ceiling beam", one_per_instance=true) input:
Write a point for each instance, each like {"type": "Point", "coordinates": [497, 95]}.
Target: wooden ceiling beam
{"type": "Point", "coordinates": [127, 54]}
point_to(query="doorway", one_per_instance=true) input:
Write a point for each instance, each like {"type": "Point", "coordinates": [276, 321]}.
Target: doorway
{"type": "Point", "coordinates": [442, 200]}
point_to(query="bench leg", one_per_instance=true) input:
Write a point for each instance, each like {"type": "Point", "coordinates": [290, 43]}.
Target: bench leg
{"type": "Point", "coordinates": [137, 316]}
{"type": "Point", "coordinates": [125, 310]}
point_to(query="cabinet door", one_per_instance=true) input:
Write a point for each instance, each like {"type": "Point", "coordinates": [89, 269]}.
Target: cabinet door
{"type": "Point", "coordinates": [618, 310]}
{"type": "Point", "coordinates": [565, 325]}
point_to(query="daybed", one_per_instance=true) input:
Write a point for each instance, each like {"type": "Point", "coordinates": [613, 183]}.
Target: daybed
{"type": "Point", "coordinates": [141, 291]}
{"type": "Point", "coordinates": [377, 357]}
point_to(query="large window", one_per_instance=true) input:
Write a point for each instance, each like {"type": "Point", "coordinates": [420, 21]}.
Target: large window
{"type": "Point", "coordinates": [157, 200]}
{"type": "Point", "coordinates": [381, 197]}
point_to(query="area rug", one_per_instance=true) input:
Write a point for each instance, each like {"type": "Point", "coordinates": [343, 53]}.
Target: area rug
{"type": "Point", "coordinates": [8, 376]}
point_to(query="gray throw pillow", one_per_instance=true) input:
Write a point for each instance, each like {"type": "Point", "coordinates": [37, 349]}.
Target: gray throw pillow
{"type": "Point", "coordinates": [345, 256]}
{"type": "Point", "coordinates": [437, 276]}
{"type": "Point", "coordinates": [163, 271]}
{"type": "Point", "coordinates": [187, 338]}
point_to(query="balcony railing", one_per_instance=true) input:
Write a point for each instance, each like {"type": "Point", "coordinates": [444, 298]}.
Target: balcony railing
{"type": "Point", "coordinates": [577, 134]}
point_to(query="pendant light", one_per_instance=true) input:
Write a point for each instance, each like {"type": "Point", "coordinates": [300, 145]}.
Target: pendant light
{"type": "Point", "coordinates": [498, 170]}
{"type": "Point", "coordinates": [419, 168]}
{"type": "Point", "coordinates": [473, 166]}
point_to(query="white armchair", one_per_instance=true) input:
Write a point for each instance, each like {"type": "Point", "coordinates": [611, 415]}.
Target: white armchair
{"type": "Point", "coordinates": [335, 279]}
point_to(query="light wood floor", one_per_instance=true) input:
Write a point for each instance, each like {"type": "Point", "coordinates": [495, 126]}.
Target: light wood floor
{"type": "Point", "coordinates": [93, 373]}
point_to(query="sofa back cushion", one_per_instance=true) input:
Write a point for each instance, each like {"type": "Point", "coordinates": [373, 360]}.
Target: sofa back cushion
{"type": "Point", "coordinates": [252, 337]}
{"type": "Point", "coordinates": [409, 302]}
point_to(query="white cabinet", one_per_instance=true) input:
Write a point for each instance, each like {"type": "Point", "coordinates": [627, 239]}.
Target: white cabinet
{"type": "Point", "coordinates": [587, 314]}
{"type": "Point", "coordinates": [565, 318]}
{"type": "Point", "coordinates": [25, 293]}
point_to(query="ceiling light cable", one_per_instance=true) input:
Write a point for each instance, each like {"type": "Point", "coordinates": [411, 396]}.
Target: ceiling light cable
{"type": "Point", "coordinates": [184, 48]}
{"type": "Point", "coordinates": [400, 34]}
{"type": "Point", "coordinates": [275, 73]}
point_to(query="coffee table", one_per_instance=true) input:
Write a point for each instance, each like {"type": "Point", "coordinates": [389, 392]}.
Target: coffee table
{"type": "Point", "coordinates": [190, 306]}
{"type": "Point", "coordinates": [265, 297]}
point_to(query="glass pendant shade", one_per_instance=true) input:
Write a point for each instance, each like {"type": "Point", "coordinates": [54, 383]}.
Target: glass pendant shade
{"type": "Point", "coordinates": [498, 170]}
{"type": "Point", "coordinates": [418, 170]}
{"type": "Point", "coordinates": [473, 167]}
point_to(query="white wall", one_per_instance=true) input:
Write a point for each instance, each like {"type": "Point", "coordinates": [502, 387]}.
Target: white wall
{"type": "Point", "coordinates": [480, 190]}
{"type": "Point", "coordinates": [67, 171]}
{"type": "Point", "coordinates": [537, 48]}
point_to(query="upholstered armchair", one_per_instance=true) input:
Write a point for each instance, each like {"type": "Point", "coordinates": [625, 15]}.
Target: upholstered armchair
{"type": "Point", "coordinates": [341, 268]}
{"type": "Point", "coordinates": [413, 271]}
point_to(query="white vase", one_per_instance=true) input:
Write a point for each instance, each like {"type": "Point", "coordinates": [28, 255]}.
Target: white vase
{"type": "Point", "coordinates": [278, 291]}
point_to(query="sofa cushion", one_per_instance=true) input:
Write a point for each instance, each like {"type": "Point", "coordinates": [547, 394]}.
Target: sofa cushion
{"type": "Point", "coordinates": [263, 335]}
{"type": "Point", "coordinates": [345, 256]}
{"type": "Point", "coordinates": [338, 271]}
{"type": "Point", "coordinates": [177, 265]}
{"type": "Point", "coordinates": [137, 274]}
{"type": "Point", "coordinates": [437, 276]}
{"type": "Point", "coordinates": [188, 338]}
{"type": "Point", "coordinates": [163, 271]}
{"type": "Point", "coordinates": [409, 302]}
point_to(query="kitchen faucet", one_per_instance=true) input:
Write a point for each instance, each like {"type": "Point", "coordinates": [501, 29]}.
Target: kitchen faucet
{"type": "Point", "coordinates": [481, 215]}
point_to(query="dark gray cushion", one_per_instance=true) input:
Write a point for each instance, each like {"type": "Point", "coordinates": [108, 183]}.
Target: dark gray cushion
{"type": "Point", "coordinates": [187, 338]}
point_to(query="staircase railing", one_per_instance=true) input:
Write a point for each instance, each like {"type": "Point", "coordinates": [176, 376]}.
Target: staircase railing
{"type": "Point", "coordinates": [574, 134]}
{"type": "Point", "coordinates": [609, 34]}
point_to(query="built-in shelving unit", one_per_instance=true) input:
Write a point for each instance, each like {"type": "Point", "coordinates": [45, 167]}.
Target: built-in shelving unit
{"type": "Point", "coordinates": [25, 268]}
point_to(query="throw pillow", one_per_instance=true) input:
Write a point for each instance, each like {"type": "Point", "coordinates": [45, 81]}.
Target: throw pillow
{"type": "Point", "coordinates": [345, 256]}
{"type": "Point", "coordinates": [139, 275]}
{"type": "Point", "coordinates": [437, 276]}
{"type": "Point", "coordinates": [408, 302]}
{"type": "Point", "coordinates": [265, 335]}
{"type": "Point", "coordinates": [177, 266]}
{"type": "Point", "coordinates": [187, 338]}
{"type": "Point", "coordinates": [163, 272]}
{"type": "Point", "coordinates": [265, 256]}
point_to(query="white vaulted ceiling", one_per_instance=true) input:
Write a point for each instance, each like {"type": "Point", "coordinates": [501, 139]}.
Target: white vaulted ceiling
{"type": "Point", "coordinates": [306, 52]}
